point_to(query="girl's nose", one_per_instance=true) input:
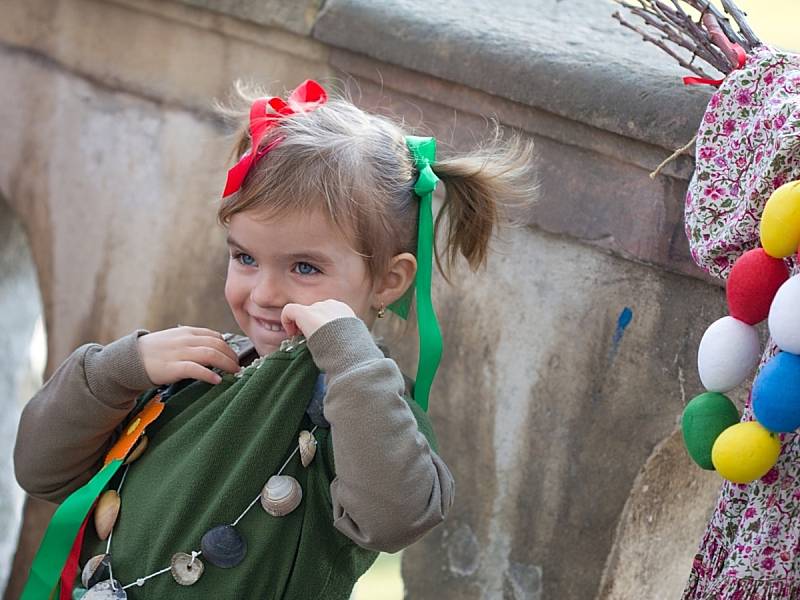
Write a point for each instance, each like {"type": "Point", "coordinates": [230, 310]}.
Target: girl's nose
{"type": "Point", "coordinates": [268, 292]}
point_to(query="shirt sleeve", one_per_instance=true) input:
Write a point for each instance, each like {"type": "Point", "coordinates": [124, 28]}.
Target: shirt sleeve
{"type": "Point", "coordinates": [748, 145]}
{"type": "Point", "coordinates": [66, 428]}
{"type": "Point", "coordinates": [391, 487]}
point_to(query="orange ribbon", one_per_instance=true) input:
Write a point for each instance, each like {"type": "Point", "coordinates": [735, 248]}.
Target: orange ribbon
{"type": "Point", "coordinates": [135, 429]}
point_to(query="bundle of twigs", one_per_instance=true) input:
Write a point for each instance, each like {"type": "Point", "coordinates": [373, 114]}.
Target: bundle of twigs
{"type": "Point", "coordinates": [712, 38]}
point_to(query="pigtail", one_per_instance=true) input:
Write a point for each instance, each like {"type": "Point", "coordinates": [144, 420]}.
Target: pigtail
{"type": "Point", "coordinates": [480, 189]}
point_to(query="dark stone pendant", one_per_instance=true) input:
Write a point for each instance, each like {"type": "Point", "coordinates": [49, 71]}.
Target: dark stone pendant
{"type": "Point", "coordinates": [223, 546]}
{"type": "Point", "coordinates": [96, 570]}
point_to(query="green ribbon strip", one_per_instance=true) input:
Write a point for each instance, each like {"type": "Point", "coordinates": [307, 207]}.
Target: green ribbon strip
{"type": "Point", "coordinates": [60, 535]}
{"type": "Point", "coordinates": [423, 151]}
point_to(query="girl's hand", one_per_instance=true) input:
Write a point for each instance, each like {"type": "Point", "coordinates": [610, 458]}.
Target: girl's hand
{"type": "Point", "coordinates": [298, 318]}
{"type": "Point", "coordinates": [186, 353]}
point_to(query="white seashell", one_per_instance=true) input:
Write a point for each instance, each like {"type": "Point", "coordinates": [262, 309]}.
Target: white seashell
{"type": "Point", "coordinates": [784, 318]}
{"type": "Point", "coordinates": [106, 590]}
{"type": "Point", "coordinates": [728, 353]}
{"type": "Point", "coordinates": [308, 447]}
{"type": "Point", "coordinates": [185, 569]}
{"type": "Point", "coordinates": [137, 451]}
{"type": "Point", "coordinates": [281, 495]}
{"type": "Point", "coordinates": [106, 513]}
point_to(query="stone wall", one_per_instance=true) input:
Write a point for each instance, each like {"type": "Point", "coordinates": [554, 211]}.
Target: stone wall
{"type": "Point", "coordinates": [567, 361]}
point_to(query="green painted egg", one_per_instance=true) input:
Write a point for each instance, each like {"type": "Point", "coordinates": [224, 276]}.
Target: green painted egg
{"type": "Point", "coordinates": [704, 418]}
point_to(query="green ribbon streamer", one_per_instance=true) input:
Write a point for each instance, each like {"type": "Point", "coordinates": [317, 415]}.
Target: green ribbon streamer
{"type": "Point", "coordinates": [423, 151]}
{"type": "Point", "coordinates": [60, 535]}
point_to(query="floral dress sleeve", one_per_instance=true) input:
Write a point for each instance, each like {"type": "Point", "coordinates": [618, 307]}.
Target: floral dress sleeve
{"type": "Point", "coordinates": [747, 146]}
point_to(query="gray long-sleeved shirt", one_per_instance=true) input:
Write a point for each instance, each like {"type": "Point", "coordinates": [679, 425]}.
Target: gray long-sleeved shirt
{"type": "Point", "coordinates": [390, 486]}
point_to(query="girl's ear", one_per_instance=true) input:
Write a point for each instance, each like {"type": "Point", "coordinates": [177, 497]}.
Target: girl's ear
{"type": "Point", "coordinates": [397, 279]}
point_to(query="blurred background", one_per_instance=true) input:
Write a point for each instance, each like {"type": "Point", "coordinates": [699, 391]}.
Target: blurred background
{"type": "Point", "coordinates": [774, 21]}
{"type": "Point", "coordinates": [109, 140]}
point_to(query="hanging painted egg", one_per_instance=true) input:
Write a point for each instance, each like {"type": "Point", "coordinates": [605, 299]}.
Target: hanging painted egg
{"type": "Point", "coordinates": [752, 285]}
{"type": "Point", "coordinates": [704, 418]}
{"type": "Point", "coordinates": [728, 353]}
{"type": "Point", "coordinates": [776, 393]}
{"type": "Point", "coordinates": [780, 221]}
{"type": "Point", "coordinates": [784, 316]}
{"type": "Point", "coordinates": [745, 452]}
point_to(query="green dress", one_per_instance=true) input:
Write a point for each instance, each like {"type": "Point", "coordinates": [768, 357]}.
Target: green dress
{"type": "Point", "coordinates": [209, 455]}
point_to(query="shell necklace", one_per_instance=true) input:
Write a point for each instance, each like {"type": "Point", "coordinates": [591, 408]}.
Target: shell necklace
{"type": "Point", "coordinates": [223, 546]}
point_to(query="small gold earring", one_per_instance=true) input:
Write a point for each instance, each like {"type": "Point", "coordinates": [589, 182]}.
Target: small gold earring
{"type": "Point", "coordinates": [381, 311]}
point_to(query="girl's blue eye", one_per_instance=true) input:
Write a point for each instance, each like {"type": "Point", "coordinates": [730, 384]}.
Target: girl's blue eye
{"type": "Point", "coordinates": [304, 268]}
{"type": "Point", "coordinates": [244, 259]}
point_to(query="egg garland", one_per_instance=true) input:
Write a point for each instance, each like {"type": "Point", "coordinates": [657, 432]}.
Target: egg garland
{"type": "Point", "coordinates": [758, 288]}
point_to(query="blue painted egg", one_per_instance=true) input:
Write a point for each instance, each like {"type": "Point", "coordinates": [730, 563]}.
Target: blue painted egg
{"type": "Point", "coordinates": [776, 393]}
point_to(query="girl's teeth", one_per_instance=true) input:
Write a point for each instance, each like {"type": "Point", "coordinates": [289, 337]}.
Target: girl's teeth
{"type": "Point", "coordinates": [272, 327]}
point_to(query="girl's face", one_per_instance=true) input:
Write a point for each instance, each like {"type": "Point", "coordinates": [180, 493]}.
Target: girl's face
{"type": "Point", "coordinates": [298, 258]}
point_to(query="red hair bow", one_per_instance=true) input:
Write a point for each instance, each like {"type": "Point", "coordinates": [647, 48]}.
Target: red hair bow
{"type": "Point", "coordinates": [306, 97]}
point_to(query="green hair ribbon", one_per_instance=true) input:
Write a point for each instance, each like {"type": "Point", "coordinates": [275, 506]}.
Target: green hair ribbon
{"type": "Point", "coordinates": [423, 151]}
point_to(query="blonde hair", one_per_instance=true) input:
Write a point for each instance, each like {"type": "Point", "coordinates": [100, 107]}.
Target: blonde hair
{"type": "Point", "coordinates": [357, 167]}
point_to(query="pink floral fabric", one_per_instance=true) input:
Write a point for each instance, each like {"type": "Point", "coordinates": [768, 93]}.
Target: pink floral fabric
{"type": "Point", "coordinates": [747, 145]}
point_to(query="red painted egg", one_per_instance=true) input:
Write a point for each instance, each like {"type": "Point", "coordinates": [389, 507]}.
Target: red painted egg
{"type": "Point", "coordinates": [752, 285]}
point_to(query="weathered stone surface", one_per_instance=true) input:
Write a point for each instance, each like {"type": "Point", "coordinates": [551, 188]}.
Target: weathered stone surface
{"type": "Point", "coordinates": [568, 58]}
{"type": "Point", "coordinates": [199, 54]}
{"type": "Point", "coordinates": [113, 174]}
{"type": "Point", "coordinates": [593, 186]}
{"type": "Point", "coordinates": [296, 16]}
{"type": "Point", "coordinates": [666, 513]}
{"type": "Point", "coordinates": [546, 407]}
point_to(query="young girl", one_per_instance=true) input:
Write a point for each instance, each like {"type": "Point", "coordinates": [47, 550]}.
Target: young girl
{"type": "Point", "coordinates": [328, 224]}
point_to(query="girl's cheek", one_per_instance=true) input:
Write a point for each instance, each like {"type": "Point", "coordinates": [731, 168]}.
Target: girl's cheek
{"type": "Point", "coordinates": [233, 290]}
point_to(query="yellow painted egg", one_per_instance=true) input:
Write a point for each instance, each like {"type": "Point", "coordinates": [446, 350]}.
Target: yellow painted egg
{"type": "Point", "coordinates": [745, 452]}
{"type": "Point", "coordinates": [780, 222]}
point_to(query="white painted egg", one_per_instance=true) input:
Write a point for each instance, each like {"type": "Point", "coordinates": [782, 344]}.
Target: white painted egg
{"type": "Point", "coordinates": [728, 353]}
{"type": "Point", "coordinates": [784, 316]}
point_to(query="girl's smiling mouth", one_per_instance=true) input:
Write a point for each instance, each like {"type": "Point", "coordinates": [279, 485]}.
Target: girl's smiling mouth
{"type": "Point", "coordinates": [270, 325]}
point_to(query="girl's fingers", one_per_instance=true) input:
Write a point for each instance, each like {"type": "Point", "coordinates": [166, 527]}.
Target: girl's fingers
{"type": "Point", "coordinates": [289, 316]}
{"type": "Point", "coordinates": [201, 331]}
{"type": "Point", "coordinates": [211, 357]}
{"type": "Point", "coordinates": [191, 370]}
{"type": "Point", "coordinates": [216, 343]}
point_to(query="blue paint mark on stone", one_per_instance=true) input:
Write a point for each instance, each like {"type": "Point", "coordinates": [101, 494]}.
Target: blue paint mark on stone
{"type": "Point", "coordinates": [625, 318]}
